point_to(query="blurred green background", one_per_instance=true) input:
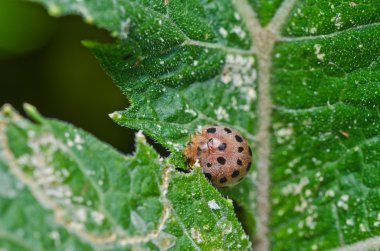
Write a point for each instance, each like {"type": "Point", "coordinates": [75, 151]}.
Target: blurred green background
{"type": "Point", "coordinates": [42, 62]}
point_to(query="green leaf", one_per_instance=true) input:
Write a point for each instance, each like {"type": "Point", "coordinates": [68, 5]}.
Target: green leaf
{"type": "Point", "coordinates": [300, 80]}
{"type": "Point", "coordinates": [60, 188]}
{"type": "Point", "coordinates": [326, 131]}
{"type": "Point", "coordinates": [170, 70]}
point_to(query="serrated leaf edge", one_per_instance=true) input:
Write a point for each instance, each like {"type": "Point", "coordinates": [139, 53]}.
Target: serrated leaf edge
{"type": "Point", "coordinates": [117, 239]}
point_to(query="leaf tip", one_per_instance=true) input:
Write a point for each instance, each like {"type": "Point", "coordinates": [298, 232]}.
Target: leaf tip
{"type": "Point", "coordinates": [89, 19]}
{"type": "Point", "coordinates": [7, 110]}
{"type": "Point", "coordinates": [115, 116]}
{"type": "Point", "coordinates": [33, 112]}
{"type": "Point", "coordinates": [88, 44]}
{"type": "Point", "coordinates": [54, 10]}
{"type": "Point", "coordinates": [140, 137]}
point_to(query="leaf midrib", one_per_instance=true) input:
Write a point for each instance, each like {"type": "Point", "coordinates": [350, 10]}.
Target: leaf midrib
{"type": "Point", "coordinates": [263, 41]}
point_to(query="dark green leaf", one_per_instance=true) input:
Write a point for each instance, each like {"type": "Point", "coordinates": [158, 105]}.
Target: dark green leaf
{"type": "Point", "coordinates": [314, 125]}
{"type": "Point", "coordinates": [60, 188]}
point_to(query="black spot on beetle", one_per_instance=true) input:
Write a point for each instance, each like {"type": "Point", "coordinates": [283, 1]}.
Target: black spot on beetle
{"type": "Point", "coordinates": [235, 174]}
{"type": "Point", "coordinates": [199, 151]}
{"type": "Point", "coordinates": [209, 165]}
{"type": "Point", "coordinates": [238, 138]}
{"type": "Point", "coordinates": [228, 130]}
{"type": "Point", "coordinates": [239, 162]}
{"type": "Point", "coordinates": [240, 149]}
{"type": "Point", "coordinates": [222, 146]}
{"type": "Point", "coordinates": [211, 130]}
{"type": "Point", "coordinates": [249, 166]}
{"type": "Point", "coordinates": [250, 151]}
{"type": "Point", "coordinates": [221, 160]}
{"type": "Point", "coordinates": [223, 180]}
{"type": "Point", "coordinates": [208, 176]}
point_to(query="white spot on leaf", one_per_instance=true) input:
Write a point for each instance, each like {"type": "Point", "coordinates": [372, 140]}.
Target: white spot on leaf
{"type": "Point", "coordinates": [97, 217]}
{"type": "Point", "coordinates": [213, 205]}
{"type": "Point", "coordinates": [164, 241]}
{"type": "Point", "coordinates": [196, 235]}
{"type": "Point", "coordinates": [330, 193]}
{"type": "Point", "coordinates": [239, 31]}
{"type": "Point", "coordinates": [221, 114]}
{"type": "Point", "coordinates": [337, 20]}
{"type": "Point", "coordinates": [350, 222]}
{"type": "Point", "coordinates": [342, 203]}
{"type": "Point", "coordinates": [54, 235]}
{"type": "Point", "coordinates": [124, 28]}
{"type": "Point", "coordinates": [295, 188]}
{"type": "Point", "coordinates": [223, 32]}
{"type": "Point", "coordinates": [317, 48]}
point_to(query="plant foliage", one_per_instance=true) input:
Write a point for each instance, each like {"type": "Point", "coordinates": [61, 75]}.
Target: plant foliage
{"type": "Point", "coordinates": [299, 79]}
